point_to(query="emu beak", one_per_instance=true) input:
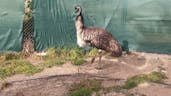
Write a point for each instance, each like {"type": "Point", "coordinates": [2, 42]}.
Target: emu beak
{"type": "Point", "coordinates": [74, 13]}
{"type": "Point", "coordinates": [73, 16]}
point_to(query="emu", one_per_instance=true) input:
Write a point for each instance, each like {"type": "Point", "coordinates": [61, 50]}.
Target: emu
{"type": "Point", "coordinates": [95, 37]}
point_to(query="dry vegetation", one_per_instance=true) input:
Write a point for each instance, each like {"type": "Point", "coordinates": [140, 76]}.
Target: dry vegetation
{"type": "Point", "coordinates": [12, 63]}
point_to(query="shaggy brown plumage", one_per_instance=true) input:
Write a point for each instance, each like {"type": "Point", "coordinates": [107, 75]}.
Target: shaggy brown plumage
{"type": "Point", "coordinates": [95, 37]}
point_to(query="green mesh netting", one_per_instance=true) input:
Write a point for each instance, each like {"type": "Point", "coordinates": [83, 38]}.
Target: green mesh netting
{"type": "Point", "coordinates": [11, 21]}
{"type": "Point", "coordinates": [141, 25]}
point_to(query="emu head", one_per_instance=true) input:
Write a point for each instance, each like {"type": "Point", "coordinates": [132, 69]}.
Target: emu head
{"type": "Point", "coordinates": [78, 10]}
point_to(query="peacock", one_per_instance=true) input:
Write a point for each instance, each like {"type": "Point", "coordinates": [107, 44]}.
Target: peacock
{"type": "Point", "coordinates": [95, 37]}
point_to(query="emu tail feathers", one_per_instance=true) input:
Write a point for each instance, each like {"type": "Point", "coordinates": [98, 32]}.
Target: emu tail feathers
{"type": "Point", "coordinates": [116, 48]}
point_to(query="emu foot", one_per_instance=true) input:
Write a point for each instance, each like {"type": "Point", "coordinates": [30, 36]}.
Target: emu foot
{"type": "Point", "coordinates": [99, 68]}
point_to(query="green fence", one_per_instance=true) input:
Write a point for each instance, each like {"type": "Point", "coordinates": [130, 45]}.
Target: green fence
{"type": "Point", "coordinates": [141, 25]}
{"type": "Point", "coordinates": [11, 20]}
{"type": "Point", "coordinates": [138, 25]}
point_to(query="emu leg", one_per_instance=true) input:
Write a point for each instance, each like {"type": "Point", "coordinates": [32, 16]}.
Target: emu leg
{"type": "Point", "coordinates": [100, 57]}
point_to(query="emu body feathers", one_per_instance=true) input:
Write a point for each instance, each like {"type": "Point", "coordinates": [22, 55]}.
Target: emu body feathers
{"type": "Point", "coordinates": [95, 37]}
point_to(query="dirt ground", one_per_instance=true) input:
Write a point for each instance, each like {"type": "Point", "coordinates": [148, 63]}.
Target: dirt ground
{"type": "Point", "coordinates": [55, 81]}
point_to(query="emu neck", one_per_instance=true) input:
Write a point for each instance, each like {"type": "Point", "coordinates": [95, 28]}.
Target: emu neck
{"type": "Point", "coordinates": [79, 23]}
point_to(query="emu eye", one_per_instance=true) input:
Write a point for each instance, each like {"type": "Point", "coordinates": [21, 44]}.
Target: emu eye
{"type": "Point", "coordinates": [76, 8]}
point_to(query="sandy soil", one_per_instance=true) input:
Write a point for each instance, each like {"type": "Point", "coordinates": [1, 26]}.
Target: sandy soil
{"type": "Point", "coordinates": [56, 81]}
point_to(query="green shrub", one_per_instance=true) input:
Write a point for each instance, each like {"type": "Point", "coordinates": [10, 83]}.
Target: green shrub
{"type": "Point", "coordinates": [12, 67]}
{"type": "Point", "coordinates": [51, 53]}
{"type": "Point", "coordinates": [83, 91]}
{"type": "Point", "coordinates": [139, 79]}
{"type": "Point", "coordinates": [51, 63]}
{"type": "Point", "coordinates": [85, 87]}
{"type": "Point", "coordinates": [93, 52]}
{"type": "Point", "coordinates": [78, 61]}
{"type": "Point", "coordinates": [11, 56]}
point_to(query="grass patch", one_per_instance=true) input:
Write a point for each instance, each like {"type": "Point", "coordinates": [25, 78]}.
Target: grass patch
{"type": "Point", "coordinates": [83, 91]}
{"type": "Point", "coordinates": [51, 63]}
{"type": "Point", "coordinates": [12, 63]}
{"type": "Point", "coordinates": [10, 56]}
{"type": "Point", "coordinates": [142, 78]}
{"type": "Point", "coordinates": [112, 89]}
{"type": "Point", "coordinates": [156, 77]}
{"type": "Point", "coordinates": [135, 81]}
{"type": "Point", "coordinates": [85, 87]}
{"type": "Point", "coordinates": [51, 53]}
{"type": "Point", "coordinates": [93, 52]}
{"type": "Point", "coordinates": [78, 61]}
{"type": "Point", "coordinates": [12, 67]}
{"type": "Point", "coordinates": [76, 56]}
